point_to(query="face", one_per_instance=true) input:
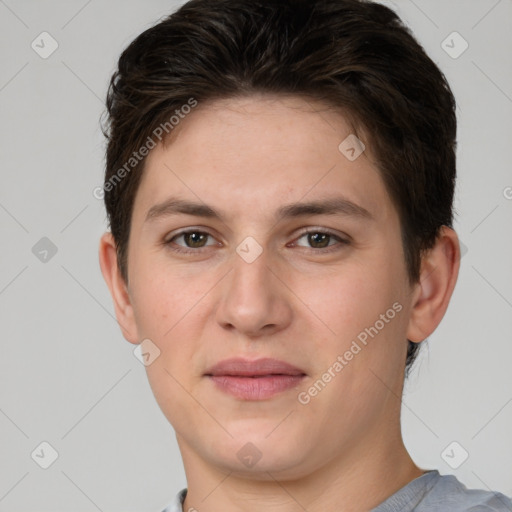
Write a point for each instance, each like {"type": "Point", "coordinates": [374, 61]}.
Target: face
{"type": "Point", "coordinates": [267, 268]}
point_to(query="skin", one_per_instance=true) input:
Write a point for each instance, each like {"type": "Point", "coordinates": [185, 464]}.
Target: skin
{"type": "Point", "coordinates": [246, 158]}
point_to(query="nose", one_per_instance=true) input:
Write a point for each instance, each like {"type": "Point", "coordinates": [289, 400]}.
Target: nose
{"type": "Point", "coordinates": [254, 300]}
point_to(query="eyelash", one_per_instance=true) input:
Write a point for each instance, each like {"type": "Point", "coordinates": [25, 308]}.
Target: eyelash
{"type": "Point", "coordinates": [330, 248]}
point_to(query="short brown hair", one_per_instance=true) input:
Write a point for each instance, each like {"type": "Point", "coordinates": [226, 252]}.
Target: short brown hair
{"type": "Point", "coordinates": [355, 55]}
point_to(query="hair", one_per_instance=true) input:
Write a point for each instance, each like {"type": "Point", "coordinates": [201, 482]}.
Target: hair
{"type": "Point", "coordinates": [353, 55]}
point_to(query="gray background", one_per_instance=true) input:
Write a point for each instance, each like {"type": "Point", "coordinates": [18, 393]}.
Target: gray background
{"type": "Point", "coordinates": [69, 378]}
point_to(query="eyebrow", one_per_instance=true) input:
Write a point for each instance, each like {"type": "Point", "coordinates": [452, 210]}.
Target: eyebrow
{"type": "Point", "coordinates": [330, 206]}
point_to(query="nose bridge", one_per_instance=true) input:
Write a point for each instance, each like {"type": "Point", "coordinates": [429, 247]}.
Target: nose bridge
{"type": "Point", "coordinates": [252, 298]}
{"type": "Point", "coordinates": [250, 280]}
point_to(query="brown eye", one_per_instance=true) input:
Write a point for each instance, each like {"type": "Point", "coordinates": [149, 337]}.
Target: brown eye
{"type": "Point", "coordinates": [318, 240]}
{"type": "Point", "coordinates": [195, 239]}
{"type": "Point", "coordinates": [187, 241]}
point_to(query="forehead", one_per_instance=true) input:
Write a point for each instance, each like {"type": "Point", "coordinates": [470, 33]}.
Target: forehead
{"type": "Point", "coordinates": [261, 150]}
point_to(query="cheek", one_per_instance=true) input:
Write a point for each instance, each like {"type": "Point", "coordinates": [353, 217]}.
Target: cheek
{"type": "Point", "coordinates": [172, 310]}
{"type": "Point", "coordinates": [364, 347]}
{"type": "Point", "coordinates": [168, 311]}
{"type": "Point", "coordinates": [362, 311]}
{"type": "Point", "coordinates": [348, 300]}
{"type": "Point", "coordinates": [154, 307]}
{"type": "Point", "coordinates": [163, 299]}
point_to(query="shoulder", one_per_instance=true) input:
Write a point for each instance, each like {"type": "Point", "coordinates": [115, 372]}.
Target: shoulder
{"type": "Point", "coordinates": [176, 505]}
{"type": "Point", "coordinates": [433, 492]}
{"type": "Point", "coordinates": [448, 493]}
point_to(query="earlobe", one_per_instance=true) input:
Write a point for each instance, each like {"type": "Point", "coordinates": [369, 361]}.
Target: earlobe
{"type": "Point", "coordinates": [117, 286]}
{"type": "Point", "coordinates": [439, 272]}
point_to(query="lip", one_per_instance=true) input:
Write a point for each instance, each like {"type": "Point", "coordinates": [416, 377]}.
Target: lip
{"type": "Point", "coordinates": [254, 380]}
{"type": "Point", "coordinates": [238, 366]}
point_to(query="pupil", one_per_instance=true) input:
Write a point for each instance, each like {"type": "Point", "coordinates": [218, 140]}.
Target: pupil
{"type": "Point", "coordinates": [194, 239]}
{"type": "Point", "coordinates": [319, 239]}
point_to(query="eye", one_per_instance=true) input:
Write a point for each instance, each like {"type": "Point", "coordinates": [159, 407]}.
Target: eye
{"type": "Point", "coordinates": [192, 239]}
{"type": "Point", "coordinates": [318, 239]}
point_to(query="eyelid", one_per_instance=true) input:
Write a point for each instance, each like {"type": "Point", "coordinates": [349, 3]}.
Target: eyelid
{"type": "Point", "coordinates": [326, 231]}
{"type": "Point", "coordinates": [193, 229]}
{"type": "Point", "coordinates": [342, 239]}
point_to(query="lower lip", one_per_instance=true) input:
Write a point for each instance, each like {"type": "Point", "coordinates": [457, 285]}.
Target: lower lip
{"type": "Point", "coordinates": [255, 388]}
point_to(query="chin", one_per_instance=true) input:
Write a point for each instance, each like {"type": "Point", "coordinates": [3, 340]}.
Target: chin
{"type": "Point", "coordinates": [255, 456]}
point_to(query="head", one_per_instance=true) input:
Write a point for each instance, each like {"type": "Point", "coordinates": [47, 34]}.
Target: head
{"type": "Point", "coordinates": [235, 128]}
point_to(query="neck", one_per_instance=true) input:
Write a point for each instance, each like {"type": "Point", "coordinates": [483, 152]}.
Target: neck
{"type": "Point", "coordinates": [359, 479]}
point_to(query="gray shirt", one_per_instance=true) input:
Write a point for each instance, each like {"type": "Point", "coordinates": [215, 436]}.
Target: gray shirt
{"type": "Point", "coordinates": [430, 492]}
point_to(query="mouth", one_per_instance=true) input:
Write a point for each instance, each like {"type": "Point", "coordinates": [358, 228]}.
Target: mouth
{"type": "Point", "coordinates": [254, 380]}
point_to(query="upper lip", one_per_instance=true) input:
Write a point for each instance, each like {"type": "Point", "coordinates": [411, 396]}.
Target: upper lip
{"type": "Point", "coordinates": [245, 368]}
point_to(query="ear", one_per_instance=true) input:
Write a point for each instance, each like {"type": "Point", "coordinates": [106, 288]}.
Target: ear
{"type": "Point", "coordinates": [118, 288]}
{"type": "Point", "coordinates": [438, 275]}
